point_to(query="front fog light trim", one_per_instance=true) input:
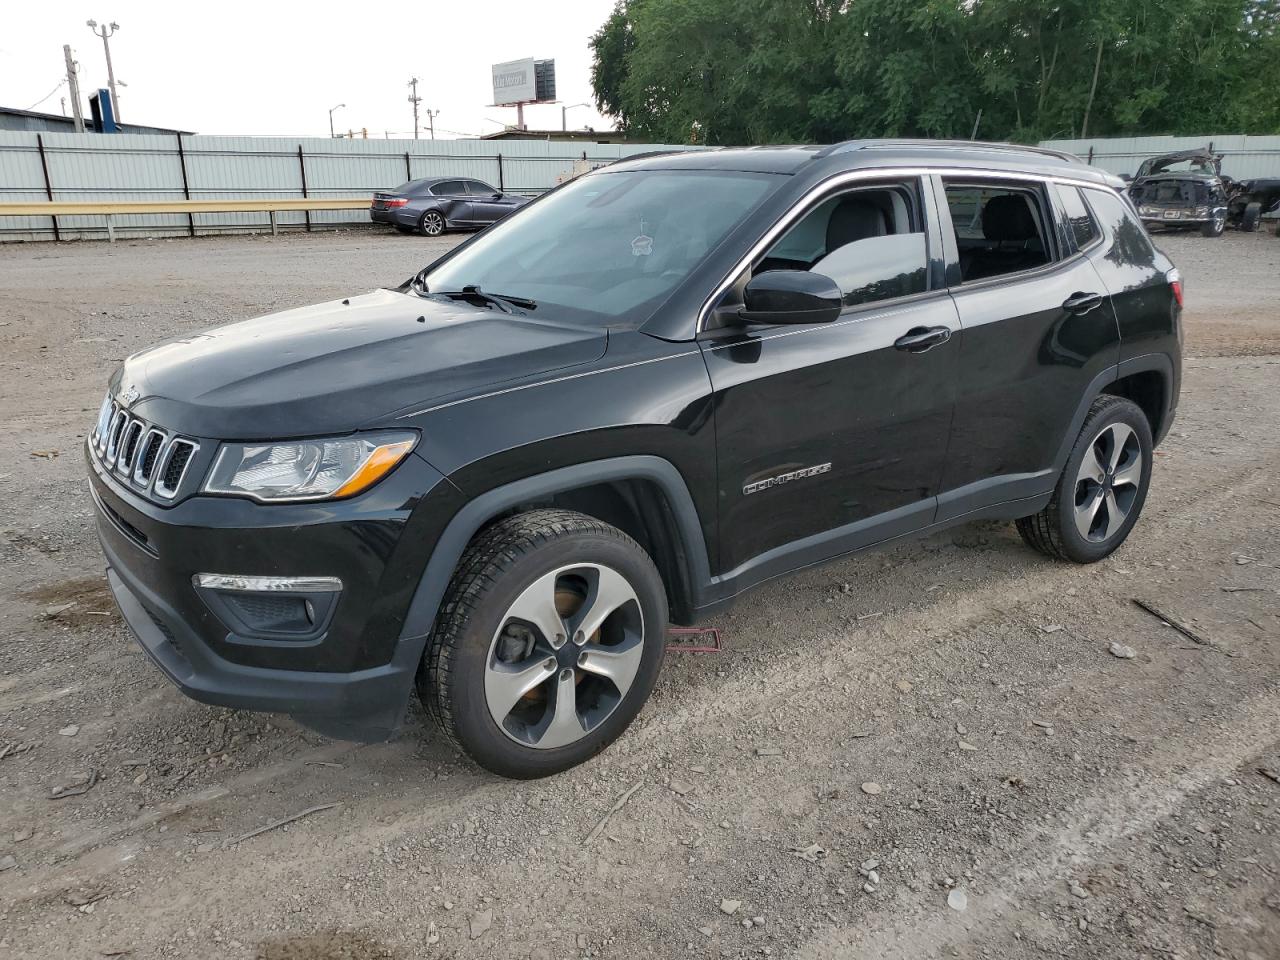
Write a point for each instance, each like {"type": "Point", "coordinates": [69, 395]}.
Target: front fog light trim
{"type": "Point", "coordinates": [253, 584]}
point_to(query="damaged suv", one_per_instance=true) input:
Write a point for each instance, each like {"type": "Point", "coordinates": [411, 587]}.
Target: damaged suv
{"type": "Point", "coordinates": [1182, 191]}
{"type": "Point", "coordinates": [667, 382]}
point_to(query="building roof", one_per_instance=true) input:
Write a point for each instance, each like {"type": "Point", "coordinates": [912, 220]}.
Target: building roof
{"type": "Point", "coordinates": [573, 136]}
{"type": "Point", "coordinates": [12, 118]}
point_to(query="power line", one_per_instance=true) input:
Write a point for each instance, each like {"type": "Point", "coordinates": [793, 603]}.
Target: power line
{"type": "Point", "coordinates": [61, 83]}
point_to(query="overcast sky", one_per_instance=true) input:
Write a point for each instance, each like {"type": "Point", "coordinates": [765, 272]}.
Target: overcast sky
{"type": "Point", "coordinates": [264, 67]}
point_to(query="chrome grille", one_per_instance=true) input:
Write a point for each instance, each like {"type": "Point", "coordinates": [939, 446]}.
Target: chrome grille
{"type": "Point", "coordinates": [147, 457]}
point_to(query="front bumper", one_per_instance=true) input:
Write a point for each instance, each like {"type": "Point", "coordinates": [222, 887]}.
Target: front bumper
{"type": "Point", "coordinates": [354, 679]}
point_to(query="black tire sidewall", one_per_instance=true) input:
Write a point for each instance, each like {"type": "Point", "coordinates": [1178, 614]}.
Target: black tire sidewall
{"type": "Point", "coordinates": [1075, 546]}
{"type": "Point", "coordinates": [473, 725]}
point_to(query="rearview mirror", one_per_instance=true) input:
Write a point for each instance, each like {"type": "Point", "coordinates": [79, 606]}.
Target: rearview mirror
{"type": "Point", "coordinates": [790, 296]}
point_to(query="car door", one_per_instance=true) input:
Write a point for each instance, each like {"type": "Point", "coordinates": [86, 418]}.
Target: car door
{"type": "Point", "coordinates": [1038, 328]}
{"type": "Point", "coordinates": [454, 201]}
{"type": "Point", "coordinates": [832, 436]}
{"type": "Point", "coordinates": [487, 204]}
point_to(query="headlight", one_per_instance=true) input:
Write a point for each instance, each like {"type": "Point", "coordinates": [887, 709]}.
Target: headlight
{"type": "Point", "coordinates": [307, 469]}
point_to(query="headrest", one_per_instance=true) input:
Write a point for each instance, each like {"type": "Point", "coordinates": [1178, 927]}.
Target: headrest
{"type": "Point", "coordinates": [854, 219]}
{"type": "Point", "coordinates": [1008, 217]}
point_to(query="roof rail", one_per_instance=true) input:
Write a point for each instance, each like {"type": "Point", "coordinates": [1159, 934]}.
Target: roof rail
{"type": "Point", "coordinates": [849, 146]}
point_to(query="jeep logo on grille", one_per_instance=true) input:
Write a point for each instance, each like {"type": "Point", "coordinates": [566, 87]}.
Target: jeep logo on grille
{"type": "Point", "coordinates": [130, 395]}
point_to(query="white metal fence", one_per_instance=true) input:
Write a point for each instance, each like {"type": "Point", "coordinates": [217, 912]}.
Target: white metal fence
{"type": "Point", "coordinates": [1243, 157]}
{"type": "Point", "coordinates": [106, 167]}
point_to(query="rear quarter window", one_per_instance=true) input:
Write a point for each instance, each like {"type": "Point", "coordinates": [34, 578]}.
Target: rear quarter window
{"type": "Point", "coordinates": [1080, 221]}
{"type": "Point", "coordinates": [1129, 241]}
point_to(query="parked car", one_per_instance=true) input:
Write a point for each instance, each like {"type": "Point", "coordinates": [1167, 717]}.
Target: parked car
{"type": "Point", "coordinates": [650, 390]}
{"type": "Point", "coordinates": [1181, 191]}
{"type": "Point", "coordinates": [437, 204]}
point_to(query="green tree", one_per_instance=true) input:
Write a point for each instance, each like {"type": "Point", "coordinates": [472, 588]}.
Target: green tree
{"type": "Point", "coordinates": [758, 71]}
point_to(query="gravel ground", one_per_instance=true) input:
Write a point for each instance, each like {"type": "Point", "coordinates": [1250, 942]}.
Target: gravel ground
{"type": "Point", "coordinates": [923, 751]}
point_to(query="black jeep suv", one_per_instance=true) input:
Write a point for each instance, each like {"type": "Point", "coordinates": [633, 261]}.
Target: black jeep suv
{"type": "Point", "coordinates": [638, 396]}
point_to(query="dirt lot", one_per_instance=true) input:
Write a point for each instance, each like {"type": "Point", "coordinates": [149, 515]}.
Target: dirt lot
{"type": "Point", "coordinates": [944, 715]}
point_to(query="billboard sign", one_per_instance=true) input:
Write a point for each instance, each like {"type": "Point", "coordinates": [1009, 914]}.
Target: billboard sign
{"type": "Point", "coordinates": [514, 82]}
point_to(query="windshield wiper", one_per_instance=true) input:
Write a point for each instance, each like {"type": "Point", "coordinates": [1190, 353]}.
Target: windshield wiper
{"type": "Point", "coordinates": [503, 302]}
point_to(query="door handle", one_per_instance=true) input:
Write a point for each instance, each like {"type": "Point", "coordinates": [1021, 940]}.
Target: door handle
{"type": "Point", "coordinates": [920, 339]}
{"type": "Point", "coordinates": [1082, 303]}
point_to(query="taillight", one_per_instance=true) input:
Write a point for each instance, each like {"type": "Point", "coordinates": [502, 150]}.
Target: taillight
{"type": "Point", "coordinates": [1175, 284]}
{"type": "Point", "coordinates": [397, 202]}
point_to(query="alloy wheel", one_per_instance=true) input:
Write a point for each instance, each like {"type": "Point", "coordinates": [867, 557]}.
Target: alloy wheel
{"type": "Point", "coordinates": [1108, 482]}
{"type": "Point", "coordinates": [432, 224]}
{"type": "Point", "coordinates": [564, 656]}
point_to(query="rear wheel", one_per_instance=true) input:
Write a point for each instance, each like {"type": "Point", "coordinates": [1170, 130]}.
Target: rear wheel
{"type": "Point", "coordinates": [1214, 227]}
{"type": "Point", "coordinates": [432, 223]}
{"type": "Point", "coordinates": [1102, 488]}
{"type": "Point", "coordinates": [1251, 219]}
{"type": "Point", "coordinates": [548, 643]}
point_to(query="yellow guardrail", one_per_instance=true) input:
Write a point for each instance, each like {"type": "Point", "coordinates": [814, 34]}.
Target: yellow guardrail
{"type": "Point", "coordinates": [114, 208]}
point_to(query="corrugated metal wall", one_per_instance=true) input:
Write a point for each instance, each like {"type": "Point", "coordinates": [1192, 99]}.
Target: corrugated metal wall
{"type": "Point", "coordinates": [150, 167]}
{"type": "Point", "coordinates": [1243, 157]}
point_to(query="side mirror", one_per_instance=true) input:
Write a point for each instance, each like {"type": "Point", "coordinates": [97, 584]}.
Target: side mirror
{"type": "Point", "coordinates": [496, 196]}
{"type": "Point", "coordinates": [790, 296]}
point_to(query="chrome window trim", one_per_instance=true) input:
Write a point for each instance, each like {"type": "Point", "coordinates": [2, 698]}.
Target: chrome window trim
{"type": "Point", "coordinates": [838, 180]}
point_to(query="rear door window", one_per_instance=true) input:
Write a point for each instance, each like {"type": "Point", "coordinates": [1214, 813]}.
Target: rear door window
{"type": "Point", "coordinates": [449, 188]}
{"type": "Point", "coordinates": [1000, 229]}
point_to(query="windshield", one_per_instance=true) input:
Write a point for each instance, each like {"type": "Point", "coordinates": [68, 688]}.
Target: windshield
{"type": "Point", "coordinates": [1163, 165]}
{"type": "Point", "coordinates": [610, 245]}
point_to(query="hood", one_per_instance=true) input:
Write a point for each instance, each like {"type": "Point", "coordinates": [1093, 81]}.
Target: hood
{"type": "Point", "coordinates": [339, 366]}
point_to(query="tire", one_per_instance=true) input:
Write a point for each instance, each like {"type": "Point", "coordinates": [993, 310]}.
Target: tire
{"type": "Point", "coordinates": [1214, 227]}
{"type": "Point", "coordinates": [1058, 530]}
{"type": "Point", "coordinates": [432, 224]}
{"type": "Point", "coordinates": [487, 649]}
{"type": "Point", "coordinates": [1251, 219]}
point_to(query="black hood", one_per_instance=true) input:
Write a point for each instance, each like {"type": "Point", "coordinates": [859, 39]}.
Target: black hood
{"type": "Point", "coordinates": [335, 367]}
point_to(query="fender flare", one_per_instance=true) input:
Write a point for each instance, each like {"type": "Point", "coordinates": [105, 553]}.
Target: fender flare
{"type": "Point", "coordinates": [476, 513]}
{"type": "Point", "coordinates": [1160, 362]}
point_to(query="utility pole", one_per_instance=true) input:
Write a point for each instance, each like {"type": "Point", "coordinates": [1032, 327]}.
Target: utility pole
{"type": "Point", "coordinates": [415, 100]}
{"type": "Point", "coordinates": [73, 88]}
{"type": "Point", "coordinates": [431, 122]}
{"type": "Point", "coordinates": [338, 107]}
{"type": "Point", "coordinates": [564, 114]}
{"type": "Point", "coordinates": [108, 31]}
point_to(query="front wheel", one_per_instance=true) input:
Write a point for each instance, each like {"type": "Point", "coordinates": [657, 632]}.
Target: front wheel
{"type": "Point", "coordinates": [548, 643]}
{"type": "Point", "coordinates": [1102, 487]}
{"type": "Point", "coordinates": [432, 223]}
{"type": "Point", "coordinates": [1214, 227]}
